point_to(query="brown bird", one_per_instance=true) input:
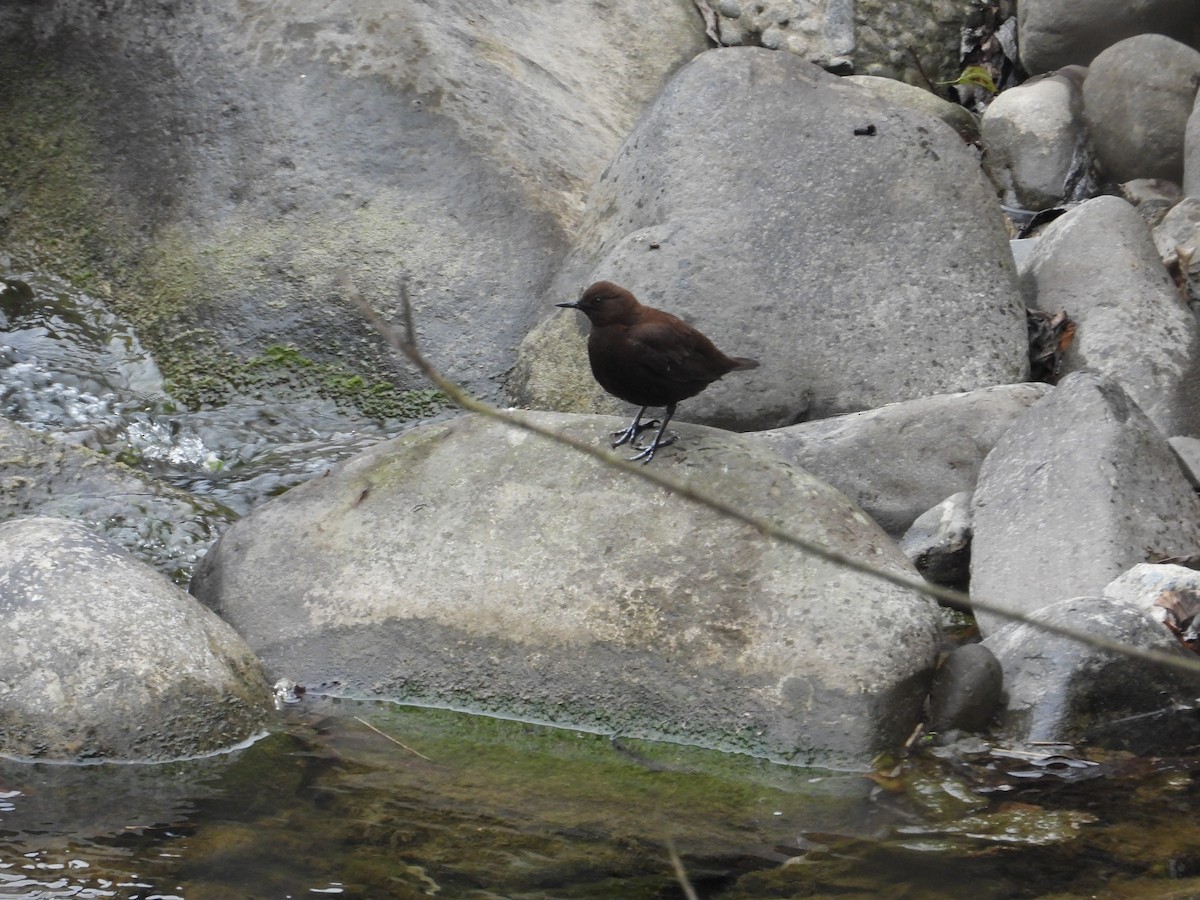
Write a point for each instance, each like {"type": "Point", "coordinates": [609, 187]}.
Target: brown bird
{"type": "Point", "coordinates": [647, 357]}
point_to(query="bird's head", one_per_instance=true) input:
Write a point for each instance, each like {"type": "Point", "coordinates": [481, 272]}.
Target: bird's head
{"type": "Point", "coordinates": [604, 303]}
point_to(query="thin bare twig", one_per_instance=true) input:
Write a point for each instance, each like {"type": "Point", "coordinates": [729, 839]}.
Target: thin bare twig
{"type": "Point", "coordinates": [947, 596]}
{"type": "Point", "coordinates": [680, 873]}
{"type": "Point", "coordinates": [392, 739]}
{"type": "Point", "coordinates": [921, 71]}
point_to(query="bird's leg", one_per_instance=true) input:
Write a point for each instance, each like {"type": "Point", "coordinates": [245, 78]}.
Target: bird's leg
{"type": "Point", "coordinates": [636, 427]}
{"type": "Point", "coordinates": [648, 454]}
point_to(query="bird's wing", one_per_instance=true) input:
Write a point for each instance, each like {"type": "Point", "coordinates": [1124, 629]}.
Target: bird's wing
{"type": "Point", "coordinates": [674, 354]}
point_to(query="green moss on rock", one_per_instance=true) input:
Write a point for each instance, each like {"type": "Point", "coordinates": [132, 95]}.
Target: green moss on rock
{"type": "Point", "coordinates": [57, 212]}
{"type": "Point", "coordinates": [281, 368]}
{"type": "Point", "coordinates": [60, 213]}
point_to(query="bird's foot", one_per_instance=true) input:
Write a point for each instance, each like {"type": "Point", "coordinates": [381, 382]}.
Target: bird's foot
{"type": "Point", "coordinates": [647, 453]}
{"type": "Point", "coordinates": [630, 434]}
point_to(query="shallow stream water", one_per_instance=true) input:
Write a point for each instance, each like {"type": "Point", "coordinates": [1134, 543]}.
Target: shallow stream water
{"type": "Point", "coordinates": [71, 369]}
{"type": "Point", "coordinates": [371, 800]}
{"type": "Point", "coordinates": [355, 799]}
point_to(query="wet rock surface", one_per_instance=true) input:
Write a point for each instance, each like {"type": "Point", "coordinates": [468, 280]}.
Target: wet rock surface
{"type": "Point", "coordinates": [967, 690]}
{"type": "Point", "coordinates": [39, 475]}
{"type": "Point", "coordinates": [1058, 689]}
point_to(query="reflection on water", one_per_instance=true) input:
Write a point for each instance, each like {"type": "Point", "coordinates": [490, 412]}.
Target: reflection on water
{"type": "Point", "coordinates": [372, 800]}
{"type": "Point", "coordinates": [37, 879]}
{"type": "Point", "coordinates": [415, 803]}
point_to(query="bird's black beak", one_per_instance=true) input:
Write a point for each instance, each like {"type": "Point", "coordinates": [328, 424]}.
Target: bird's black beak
{"type": "Point", "coordinates": [568, 305]}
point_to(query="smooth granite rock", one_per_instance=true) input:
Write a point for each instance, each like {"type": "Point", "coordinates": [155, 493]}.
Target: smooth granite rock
{"type": "Point", "coordinates": [746, 200]}
{"type": "Point", "coordinates": [106, 659]}
{"type": "Point", "coordinates": [473, 565]}
{"type": "Point", "coordinates": [1082, 487]}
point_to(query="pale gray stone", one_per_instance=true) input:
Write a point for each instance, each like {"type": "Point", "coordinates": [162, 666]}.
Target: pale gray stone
{"type": "Point", "coordinates": [1145, 584]}
{"type": "Point", "coordinates": [105, 659]}
{"type": "Point", "coordinates": [1059, 689]}
{"type": "Point", "coordinates": [889, 90]}
{"type": "Point", "coordinates": [1191, 152]}
{"type": "Point", "coordinates": [1177, 238]}
{"type": "Point", "coordinates": [1099, 264]}
{"type": "Point", "coordinates": [1037, 150]}
{"type": "Point", "coordinates": [1082, 487]}
{"type": "Point", "coordinates": [1056, 33]}
{"type": "Point", "coordinates": [899, 460]}
{"type": "Point", "coordinates": [1187, 450]}
{"type": "Point", "coordinates": [474, 565]}
{"type": "Point", "coordinates": [743, 202]}
{"type": "Point", "coordinates": [938, 543]}
{"type": "Point", "coordinates": [1136, 101]}
{"type": "Point", "coordinates": [1022, 248]}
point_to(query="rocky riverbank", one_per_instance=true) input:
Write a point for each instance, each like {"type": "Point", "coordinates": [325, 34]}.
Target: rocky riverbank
{"type": "Point", "coordinates": [212, 173]}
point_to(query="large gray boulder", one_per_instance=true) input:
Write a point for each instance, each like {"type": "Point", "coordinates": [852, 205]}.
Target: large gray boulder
{"type": "Point", "coordinates": [1136, 101]}
{"type": "Point", "coordinates": [105, 659]}
{"type": "Point", "coordinates": [1038, 152]}
{"type": "Point", "coordinates": [900, 460]}
{"type": "Point", "coordinates": [1058, 689]}
{"type": "Point", "coordinates": [472, 565]}
{"type": "Point", "coordinates": [747, 200]}
{"type": "Point", "coordinates": [213, 167]}
{"type": "Point", "coordinates": [1099, 264]}
{"type": "Point", "coordinates": [1082, 487]}
{"type": "Point", "coordinates": [1056, 33]}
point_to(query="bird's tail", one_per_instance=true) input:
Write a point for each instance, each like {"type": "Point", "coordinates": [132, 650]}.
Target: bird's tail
{"type": "Point", "coordinates": [743, 363]}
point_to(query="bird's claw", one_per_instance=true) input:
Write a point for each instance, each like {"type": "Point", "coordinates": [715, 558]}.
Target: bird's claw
{"type": "Point", "coordinates": [630, 434]}
{"type": "Point", "coordinates": [647, 453]}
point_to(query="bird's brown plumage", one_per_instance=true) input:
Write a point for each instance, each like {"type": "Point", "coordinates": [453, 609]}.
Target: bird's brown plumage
{"type": "Point", "coordinates": [646, 356]}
